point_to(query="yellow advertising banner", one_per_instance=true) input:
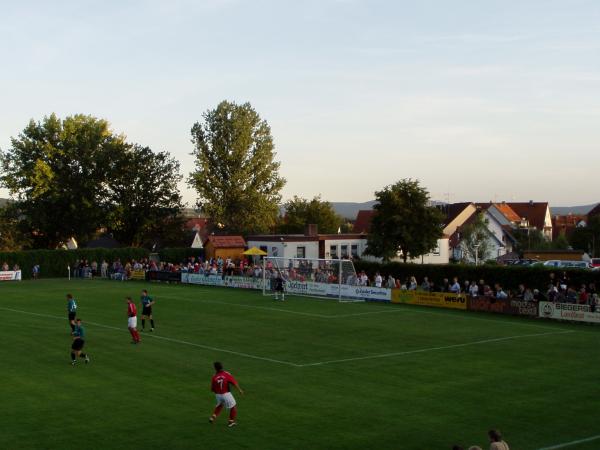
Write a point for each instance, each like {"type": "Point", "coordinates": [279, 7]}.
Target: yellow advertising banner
{"type": "Point", "coordinates": [435, 299]}
{"type": "Point", "coordinates": [138, 275]}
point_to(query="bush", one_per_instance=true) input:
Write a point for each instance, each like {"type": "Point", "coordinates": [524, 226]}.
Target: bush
{"type": "Point", "coordinates": [53, 263]}
{"type": "Point", "coordinates": [177, 255]}
{"type": "Point", "coordinates": [508, 276]}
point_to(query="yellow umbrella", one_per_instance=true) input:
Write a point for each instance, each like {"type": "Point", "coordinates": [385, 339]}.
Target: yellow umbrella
{"type": "Point", "coordinates": [255, 252]}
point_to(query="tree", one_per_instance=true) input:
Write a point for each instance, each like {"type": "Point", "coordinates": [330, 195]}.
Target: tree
{"type": "Point", "coordinates": [143, 194]}
{"type": "Point", "coordinates": [12, 237]}
{"type": "Point", "coordinates": [236, 176]}
{"type": "Point", "coordinates": [57, 171]}
{"type": "Point", "coordinates": [404, 222]}
{"type": "Point", "coordinates": [588, 238]}
{"type": "Point", "coordinates": [475, 240]}
{"type": "Point", "coordinates": [530, 239]}
{"type": "Point", "coordinates": [300, 212]}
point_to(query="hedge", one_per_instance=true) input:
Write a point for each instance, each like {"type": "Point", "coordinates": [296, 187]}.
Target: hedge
{"type": "Point", "coordinates": [177, 255]}
{"type": "Point", "coordinates": [508, 276]}
{"type": "Point", "coordinates": [53, 263]}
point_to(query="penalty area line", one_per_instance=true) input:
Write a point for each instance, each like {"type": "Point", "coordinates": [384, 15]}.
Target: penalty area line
{"type": "Point", "coordinates": [430, 349]}
{"type": "Point", "coordinates": [570, 444]}
{"type": "Point", "coordinates": [164, 338]}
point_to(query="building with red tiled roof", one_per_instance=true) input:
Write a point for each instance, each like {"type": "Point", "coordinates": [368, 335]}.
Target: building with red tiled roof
{"type": "Point", "coordinates": [362, 224]}
{"type": "Point", "coordinates": [565, 224]}
{"type": "Point", "coordinates": [224, 246]}
{"type": "Point", "coordinates": [534, 215]}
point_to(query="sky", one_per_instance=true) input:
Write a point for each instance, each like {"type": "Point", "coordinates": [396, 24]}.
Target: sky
{"type": "Point", "coordinates": [493, 100]}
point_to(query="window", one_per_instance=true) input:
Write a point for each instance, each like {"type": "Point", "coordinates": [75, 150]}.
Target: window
{"type": "Point", "coordinates": [344, 251]}
{"type": "Point", "coordinates": [333, 251]}
{"type": "Point", "coordinates": [301, 252]}
{"type": "Point", "coordinates": [354, 250]}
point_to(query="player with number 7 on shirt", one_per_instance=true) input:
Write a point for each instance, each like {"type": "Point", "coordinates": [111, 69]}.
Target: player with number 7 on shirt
{"type": "Point", "coordinates": [220, 385]}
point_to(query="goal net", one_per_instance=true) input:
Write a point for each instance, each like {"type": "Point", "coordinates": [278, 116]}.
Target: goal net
{"type": "Point", "coordinates": [323, 278]}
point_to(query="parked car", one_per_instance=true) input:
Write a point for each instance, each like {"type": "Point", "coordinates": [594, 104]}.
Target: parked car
{"type": "Point", "coordinates": [567, 264]}
{"type": "Point", "coordinates": [595, 262]}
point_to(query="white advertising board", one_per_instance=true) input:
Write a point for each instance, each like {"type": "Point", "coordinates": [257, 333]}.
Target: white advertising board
{"type": "Point", "coordinates": [568, 311]}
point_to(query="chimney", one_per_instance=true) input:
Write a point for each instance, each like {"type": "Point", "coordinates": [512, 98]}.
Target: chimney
{"type": "Point", "coordinates": [311, 229]}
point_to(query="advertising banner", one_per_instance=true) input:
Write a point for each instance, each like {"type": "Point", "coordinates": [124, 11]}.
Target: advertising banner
{"type": "Point", "coordinates": [435, 299]}
{"type": "Point", "coordinates": [171, 277]}
{"type": "Point", "coordinates": [206, 280]}
{"type": "Point", "coordinates": [490, 304]}
{"type": "Point", "coordinates": [138, 275]}
{"type": "Point", "coordinates": [12, 275]}
{"type": "Point", "coordinates": [244, 282]}
{"type": "Point", "coordinates": [523, 308]}
{"type": "Point", "coordinates": [362, 292]}
{"type": "Point", "coordinates": [568, 311]}
{"type": "Point", "coordinates": [306, 288]}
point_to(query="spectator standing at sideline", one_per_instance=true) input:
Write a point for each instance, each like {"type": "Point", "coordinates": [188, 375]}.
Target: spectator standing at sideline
{"type": "Point", "coordinates": [35, 271]}
{"type": "Point", "coordinates": [378, 280]}
{"type": "Point", "coordinates": [455, 288]}
{"type": "Point", "coordinates": [391, 282]}
{"type": "Point", "coordinates": [473, 290]}
{"type": "Point", "coordinates": [425, 285]}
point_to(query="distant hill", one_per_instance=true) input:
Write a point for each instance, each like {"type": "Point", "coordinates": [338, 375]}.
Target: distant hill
{"type": "Point", "coordinates": [564, 210]}
{"type": "Point", "coordinates": [349, 209]}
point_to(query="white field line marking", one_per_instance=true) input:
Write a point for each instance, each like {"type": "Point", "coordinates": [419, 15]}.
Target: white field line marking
{"type": "Point", "coordinates": [465, 316]}
{"type": "Point", "coordinates": [570, 444]}
{"type": "Point", "coordinates": [269, 308]}
{"type": "Point", "coordinates": [163, 338]}
{"type": "Point", "coordinates": [431, 349]}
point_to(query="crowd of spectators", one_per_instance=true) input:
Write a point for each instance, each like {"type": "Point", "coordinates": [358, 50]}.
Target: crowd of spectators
{"type": "Point", "coordinates": [559, 289]}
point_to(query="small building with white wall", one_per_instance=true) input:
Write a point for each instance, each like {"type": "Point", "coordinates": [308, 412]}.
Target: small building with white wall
{"type": "Point", "coordinates": [311, 245]}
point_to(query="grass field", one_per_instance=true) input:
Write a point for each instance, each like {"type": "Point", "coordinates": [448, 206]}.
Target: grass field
{"type": "Point", "coordinates": [317, 374]}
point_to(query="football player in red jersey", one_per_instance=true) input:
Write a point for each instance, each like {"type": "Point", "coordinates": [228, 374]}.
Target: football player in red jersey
{"type": "Point", "coordinates": [220, 385]}
{"type": "Point", "coordinates": [132, 320]}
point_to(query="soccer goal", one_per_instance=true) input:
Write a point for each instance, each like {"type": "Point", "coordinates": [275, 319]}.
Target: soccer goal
{"type": "Point", "coordinates": [322, 278]}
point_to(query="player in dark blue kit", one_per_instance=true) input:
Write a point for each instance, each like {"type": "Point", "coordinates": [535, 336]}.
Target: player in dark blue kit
{"type": "Point", "coordinates": [72, 311]}
{"type": "Point", "coordinates": [78, 343]}
{"type": "Point", "coordinates": [147, 303]}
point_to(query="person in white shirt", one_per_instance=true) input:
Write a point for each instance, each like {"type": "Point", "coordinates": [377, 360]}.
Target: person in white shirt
{"type": "Point", "coordinates": [378, 280]}
{"type": "Point", "coordinates": [473, 290]}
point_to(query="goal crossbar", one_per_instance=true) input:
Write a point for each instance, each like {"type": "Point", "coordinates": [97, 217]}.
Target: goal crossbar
{"type": "Point", "coordinates": [311, 277]}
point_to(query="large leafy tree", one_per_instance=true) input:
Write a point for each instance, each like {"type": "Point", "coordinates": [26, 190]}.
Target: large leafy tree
{"type": "Point", "coordinates": [300, 212]}
{"type": "Point", "coordinates": [475, 240]}
{"type": "Point", "coordinates": [588, 238]}
{"type": "Point", "coordinates": [75, 176]}
{"type": "Point", "coordinates": [143, 194]}
{"type": "Point", "coordinates": [12, 236]}
{"type": "Point", "coordinates": [57, 169]}
{"type": "Point", "coordinates": [236, 176]}
{"type": "Point", "coordinates": [404, 222]}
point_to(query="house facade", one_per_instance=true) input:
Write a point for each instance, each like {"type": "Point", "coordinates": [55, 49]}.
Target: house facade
{"type": "Point", "coordinates": [315, 246]}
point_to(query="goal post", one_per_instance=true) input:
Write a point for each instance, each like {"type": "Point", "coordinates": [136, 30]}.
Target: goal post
{"type": "Point", "coordinates": [321, 278]}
